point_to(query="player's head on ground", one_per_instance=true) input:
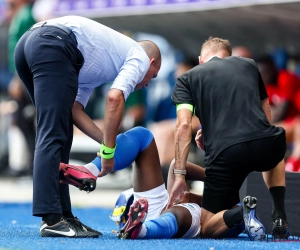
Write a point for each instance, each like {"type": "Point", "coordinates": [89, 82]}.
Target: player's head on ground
{"type": "Point", "coordinates": [154, 55]}
{"type": "Point", "coordinates": [214, 46]}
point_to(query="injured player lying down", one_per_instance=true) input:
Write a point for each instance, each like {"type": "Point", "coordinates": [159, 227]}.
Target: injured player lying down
{"type": "Point", "coordinates": [147, 217]}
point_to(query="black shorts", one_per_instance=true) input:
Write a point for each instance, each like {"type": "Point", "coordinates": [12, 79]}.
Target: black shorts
{"type": "Point", "coordinates": [226, 174]}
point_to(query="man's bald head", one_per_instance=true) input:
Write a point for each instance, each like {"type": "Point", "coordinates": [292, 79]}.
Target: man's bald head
{"type": "Point", "coordinates": [151, 50]}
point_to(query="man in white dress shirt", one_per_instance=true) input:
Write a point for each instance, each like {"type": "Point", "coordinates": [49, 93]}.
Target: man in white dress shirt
{"type": "Point", "coordinates": [61, 61]}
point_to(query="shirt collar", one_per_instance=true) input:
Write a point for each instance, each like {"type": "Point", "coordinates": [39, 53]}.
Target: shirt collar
{"type": "Point", "coordinates": [212, 57]}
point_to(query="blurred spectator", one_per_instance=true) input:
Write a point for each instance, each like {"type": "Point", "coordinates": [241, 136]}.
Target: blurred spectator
{"type": "Point", "coordinates": [283, 88]}
{"type": "Point", "coordinates": [158, 95]}
{"type": "Point", "coordinates": [280, 58]}
{"type": "Point", "coordinates": [134, 110]}
{"type": "Point", "coordinates": [44, 9]}
{"type": "Point", "coordinates": [242, 51]}
{"type": "Point", "coordinates": [22, 131]}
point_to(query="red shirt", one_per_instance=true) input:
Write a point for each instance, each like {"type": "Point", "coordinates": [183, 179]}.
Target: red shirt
{"type": "Point", "coordinates": [287, 89]}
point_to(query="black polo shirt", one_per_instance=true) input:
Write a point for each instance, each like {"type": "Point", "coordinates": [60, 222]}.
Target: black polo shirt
{"type": "Point", "coordinates": [227, 94]}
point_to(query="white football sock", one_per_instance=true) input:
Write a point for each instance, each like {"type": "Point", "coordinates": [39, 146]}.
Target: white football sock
{"type": "Point", "coordinates": [92, 168]}
{"type": "Point", "coordinates": [142, 232]}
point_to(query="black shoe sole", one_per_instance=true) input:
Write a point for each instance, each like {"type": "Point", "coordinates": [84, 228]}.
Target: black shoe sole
{"type": "Point", "coordinates": [253, 227]}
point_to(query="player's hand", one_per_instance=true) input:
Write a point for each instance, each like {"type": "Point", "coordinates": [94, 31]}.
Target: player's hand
{"type": "Point", "coordinates": [179, 187]}
{"type": "Point", "coordinates": [107, 166]}
{"type": "Point", "coordinates": [198, 139]}
{"type": "Point", "coordinates": [183, 198]}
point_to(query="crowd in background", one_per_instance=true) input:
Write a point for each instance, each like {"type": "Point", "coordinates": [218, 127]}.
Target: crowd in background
{"type": "Point", "coordinates": [151, 107]}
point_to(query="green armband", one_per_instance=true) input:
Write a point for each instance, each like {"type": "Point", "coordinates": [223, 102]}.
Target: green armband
{"type": "Point", "coordinates": [106, 152]}
{"type": "Point", "coordinates": [185, 106]}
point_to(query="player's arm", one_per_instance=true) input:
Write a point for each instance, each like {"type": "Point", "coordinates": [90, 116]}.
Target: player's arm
{"type": "Point", "coordinates": [83, 122]}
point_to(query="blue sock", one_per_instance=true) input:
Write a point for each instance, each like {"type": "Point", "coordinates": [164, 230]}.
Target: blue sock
{"type": "Point", "coordinates": [163, 227]}
{"type": "Point", "coordinates": [129, 144]}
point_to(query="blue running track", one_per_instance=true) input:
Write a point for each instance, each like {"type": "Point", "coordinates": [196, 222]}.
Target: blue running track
{"type": "Point", "coordinates": [19, 230]}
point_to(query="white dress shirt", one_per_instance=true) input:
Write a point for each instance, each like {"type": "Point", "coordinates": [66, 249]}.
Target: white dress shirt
{"type": "Point", "coordinates": [109, 56]}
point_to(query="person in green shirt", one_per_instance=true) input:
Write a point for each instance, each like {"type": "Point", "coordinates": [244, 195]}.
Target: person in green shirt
{"type": "Point", "coordinates": [24, 116]}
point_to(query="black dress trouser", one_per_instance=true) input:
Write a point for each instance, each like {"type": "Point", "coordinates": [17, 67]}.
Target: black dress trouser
{"type": "Point", "coordinates": [48, 62]}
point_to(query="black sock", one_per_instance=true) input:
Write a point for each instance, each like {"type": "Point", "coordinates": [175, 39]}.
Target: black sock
{"type": "Point", "coordinates": [68, 215]}
{"type": "Point", "coordinates": [52, 219]}
{"type": "Point", "coordinates": [278, 196]}
{"type": "Point", "coordinates": [233, 216]}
